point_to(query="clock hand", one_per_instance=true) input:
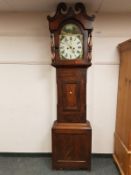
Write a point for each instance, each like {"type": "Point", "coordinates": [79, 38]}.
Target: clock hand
{"type": "Point", "coordinates": [68, 45]}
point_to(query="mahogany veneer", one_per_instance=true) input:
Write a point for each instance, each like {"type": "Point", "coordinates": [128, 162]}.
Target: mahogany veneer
{"type": "Point", "coordinates": [73, 150]}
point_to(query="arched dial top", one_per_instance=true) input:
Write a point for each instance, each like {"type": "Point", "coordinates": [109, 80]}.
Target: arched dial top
{"type": "Point", "coordinates": [71, 42]}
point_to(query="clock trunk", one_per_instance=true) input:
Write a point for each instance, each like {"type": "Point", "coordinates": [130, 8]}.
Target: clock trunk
{"type": "Point", "coordinates": [71, 90]}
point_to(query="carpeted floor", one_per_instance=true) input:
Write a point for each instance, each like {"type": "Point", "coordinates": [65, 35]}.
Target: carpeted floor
{"type": "Point", "coordinates": [42, 166]}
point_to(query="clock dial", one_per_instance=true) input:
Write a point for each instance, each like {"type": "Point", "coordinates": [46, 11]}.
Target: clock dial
{"type": "Point", "coordinates": [71, 47]}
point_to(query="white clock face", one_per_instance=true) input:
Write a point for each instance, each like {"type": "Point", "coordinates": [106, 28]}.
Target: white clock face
{"type": "Point", "coordinates": [71, 47]}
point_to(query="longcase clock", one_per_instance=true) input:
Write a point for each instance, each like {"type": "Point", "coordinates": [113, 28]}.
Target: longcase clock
{"type": "Point", "coordinates": [71, 33]}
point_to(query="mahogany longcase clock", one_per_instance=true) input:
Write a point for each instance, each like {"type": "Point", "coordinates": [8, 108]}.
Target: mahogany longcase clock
{"type": "Point", "coordinates": [71, 30]}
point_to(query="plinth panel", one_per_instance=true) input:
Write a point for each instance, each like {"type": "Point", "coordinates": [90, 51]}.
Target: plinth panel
{"type": "Point", "coordinates": [71, 144]}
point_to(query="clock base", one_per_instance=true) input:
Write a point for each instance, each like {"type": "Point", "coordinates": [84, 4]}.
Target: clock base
{"type": "Point", "coordinates": [71, 145]}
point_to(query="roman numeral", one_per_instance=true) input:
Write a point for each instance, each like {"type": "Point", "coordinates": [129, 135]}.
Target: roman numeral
{"type": "Point", "coordinates": [78, 42]}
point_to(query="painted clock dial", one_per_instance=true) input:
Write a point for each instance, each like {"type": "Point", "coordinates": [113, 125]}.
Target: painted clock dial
{"type": "Point", "coordinates": [71, 43]}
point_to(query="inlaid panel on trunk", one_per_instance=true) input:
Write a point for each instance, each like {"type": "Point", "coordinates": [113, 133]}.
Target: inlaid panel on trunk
{"type": "Point", "coordinates": [71, 92]}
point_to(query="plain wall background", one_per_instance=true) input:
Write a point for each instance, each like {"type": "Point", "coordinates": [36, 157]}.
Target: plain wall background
{"type": "Point", "coordinates": [28, 86]}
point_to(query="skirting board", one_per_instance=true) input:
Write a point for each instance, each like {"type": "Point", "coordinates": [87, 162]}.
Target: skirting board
{"type": "Point", "coordinates": [23, 154]}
